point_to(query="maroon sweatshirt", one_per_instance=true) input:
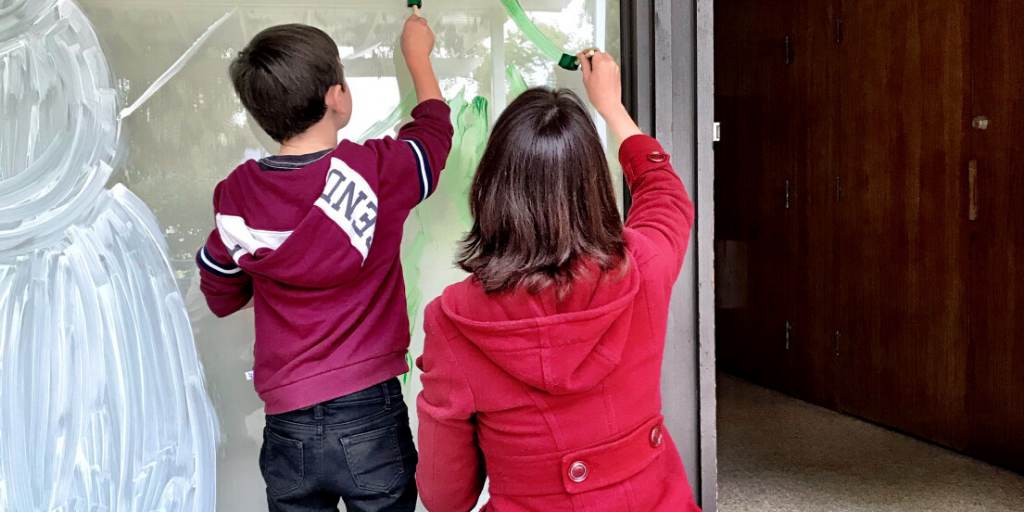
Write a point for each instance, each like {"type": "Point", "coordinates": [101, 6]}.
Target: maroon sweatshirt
{"type": "Point", "coordinates": [314, 242]}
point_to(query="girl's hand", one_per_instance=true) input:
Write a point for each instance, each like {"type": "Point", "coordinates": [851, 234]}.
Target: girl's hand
{"type": "Point", "coordinates": [604, 87]}
{"type": "Point", "coordinates": [603, 81]}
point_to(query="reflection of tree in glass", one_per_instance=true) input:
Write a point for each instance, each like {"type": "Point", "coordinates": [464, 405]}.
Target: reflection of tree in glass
{"type": "Point", "coordinates": [187, 137]}
{"type": "Point", "coordinates": [192, 133]}
{"type": "Point", "coordinates": [533, 64]}
{"type": "Point", "coordinates": [613, 40]}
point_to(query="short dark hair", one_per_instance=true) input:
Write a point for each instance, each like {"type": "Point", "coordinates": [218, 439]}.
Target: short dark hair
{"type": "Point", "coordinates": [282, 76]}
{"type": "Point", "coordinates": [542, 200]}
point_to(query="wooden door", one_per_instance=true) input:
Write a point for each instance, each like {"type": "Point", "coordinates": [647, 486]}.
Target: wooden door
{"type": "Point", "coordinates": [813, 125]}
{"type": "Point", "coordinates": [777, 96]}
{"type": "Point", "coordinates": [753, 163]}
{"type": "Point", "coordinates": [904, 339]}
{"type": "Point", "coordinates": [995, 402]}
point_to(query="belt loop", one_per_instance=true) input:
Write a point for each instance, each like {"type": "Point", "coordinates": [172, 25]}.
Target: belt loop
{"type": "Point", "coordinates": [318, 412]}
{"type": "Point", "coordinates": [387, 395]}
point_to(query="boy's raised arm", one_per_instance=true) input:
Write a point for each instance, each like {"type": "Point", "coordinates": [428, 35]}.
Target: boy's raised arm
{"type": "Point", "coordinates": [412, 164]}
{"type": "Point", "coordinates": [417, 45]}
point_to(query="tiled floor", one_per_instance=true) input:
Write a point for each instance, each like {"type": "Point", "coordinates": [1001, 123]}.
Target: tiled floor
{"type": "Point", "coordinates": [778, 454]}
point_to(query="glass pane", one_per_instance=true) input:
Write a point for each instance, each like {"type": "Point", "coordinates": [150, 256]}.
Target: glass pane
{"type": "Point", "coordinates": [193, 131]}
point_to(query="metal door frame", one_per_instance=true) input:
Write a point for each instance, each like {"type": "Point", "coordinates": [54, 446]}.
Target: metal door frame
{"type": "Point", "coordinates": [668, 87]}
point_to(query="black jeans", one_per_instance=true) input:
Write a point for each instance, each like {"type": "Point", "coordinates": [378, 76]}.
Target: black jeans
{"type": "Point", "coordinates": [357, 448]}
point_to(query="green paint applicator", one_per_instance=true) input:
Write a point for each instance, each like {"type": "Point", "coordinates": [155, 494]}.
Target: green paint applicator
{"type": "Point", "coordinates": [518, 15]}
{"type": "Point", "coordinates": [416, 4]}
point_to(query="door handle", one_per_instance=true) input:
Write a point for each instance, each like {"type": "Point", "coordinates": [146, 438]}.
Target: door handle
{"type": "Point", "coordinates": [972, 180]}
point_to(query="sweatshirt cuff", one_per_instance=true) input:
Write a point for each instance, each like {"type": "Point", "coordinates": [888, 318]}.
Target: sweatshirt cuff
{"type": "Point", "coordinates": [431, 107]}
{"type": "Point", "coordinates": [641, 153]}
{"type": "Point", "coordinates": [207, 262]}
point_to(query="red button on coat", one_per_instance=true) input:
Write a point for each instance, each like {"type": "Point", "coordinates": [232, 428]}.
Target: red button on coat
{"type": "Point", "coordinates": [656, 437]}
{"type": "Point", "coordinates": [657, 157]}
{"type": "Point", "coordinates": [578, 472]}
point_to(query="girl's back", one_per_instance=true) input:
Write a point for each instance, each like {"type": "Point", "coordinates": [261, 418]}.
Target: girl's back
{"type": "Point", "coordinates": [542, 371]}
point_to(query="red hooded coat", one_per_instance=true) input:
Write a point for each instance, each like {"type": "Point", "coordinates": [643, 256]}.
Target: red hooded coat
{"type": "Point", "coordinates": [558, 402]}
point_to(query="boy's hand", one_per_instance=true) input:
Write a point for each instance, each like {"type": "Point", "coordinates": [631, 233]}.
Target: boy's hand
{"type": "Point", "coordinates": [417, 39]}
{"type": "Point", "coordinates": [602, 80]}
{"type": "Point", "coordinates": [417, 44]}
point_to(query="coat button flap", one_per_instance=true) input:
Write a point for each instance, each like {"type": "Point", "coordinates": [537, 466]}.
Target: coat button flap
{"type": "Point", "coordinates": [614, 460]}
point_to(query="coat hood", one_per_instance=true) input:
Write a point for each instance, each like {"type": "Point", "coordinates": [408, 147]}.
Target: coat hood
{"type": "Point", "coordinates": [558, 346]}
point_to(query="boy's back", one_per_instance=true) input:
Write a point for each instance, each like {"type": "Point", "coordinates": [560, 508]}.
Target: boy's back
{"type": "Point", "coordinates": [312, 239]}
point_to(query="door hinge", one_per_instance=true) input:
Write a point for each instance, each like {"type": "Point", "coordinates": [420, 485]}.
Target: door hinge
{"type": "Point", "coordinates": [839, 30]}
{"type": "Point", "coordinates": [716, 132]}
{"type": "Point", "coordinates": [789, 50]}
{"type": "Point", "coordinates": [839, 188]}
{"type": "Point", "coordinates": [787, 194]}
{"type": "Point", "coordinates": [789, 330]}
{"type": "Point", "coordinates": [839, 343]}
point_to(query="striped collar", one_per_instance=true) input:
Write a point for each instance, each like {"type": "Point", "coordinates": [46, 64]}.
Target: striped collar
{"type": "Point", "coordinates": [291, 162]}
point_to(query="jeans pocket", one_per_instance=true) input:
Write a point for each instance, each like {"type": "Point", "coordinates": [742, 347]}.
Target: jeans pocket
{"type": "Point", "coordinates": [281, 462]}
{"type": "Point", "coordinates": [375, 459]}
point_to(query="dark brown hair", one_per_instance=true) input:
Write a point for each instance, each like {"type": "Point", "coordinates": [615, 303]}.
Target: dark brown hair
{"type": "Point", "coordinates": [283, 75]}
{"type": "Point", "coordinates": [542, 199]}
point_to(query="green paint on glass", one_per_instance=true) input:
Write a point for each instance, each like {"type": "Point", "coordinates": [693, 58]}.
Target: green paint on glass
{"type": "Point", "coordinates": [435, 226]}
{"type": "Point", "coordinates": [518, 15]}
{"type": "Point", "coordinates": [408, 374]}
{"type": "Point", "coordinates": [516, 82]}
{"type": "Point", "coordinates": [412, 255]}
{"type": "Point", "coordinates": [472, 127]}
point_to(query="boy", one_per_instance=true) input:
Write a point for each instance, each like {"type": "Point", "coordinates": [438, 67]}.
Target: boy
{"type": "Point", "coordinates": [311, 237]}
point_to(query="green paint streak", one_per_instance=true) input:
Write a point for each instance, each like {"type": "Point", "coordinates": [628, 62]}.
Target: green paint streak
{"type": "Point", "coordinates": [518, 15]}
{"type": "Point", "coordinates": [472, 127]}
{"type": "Point", "coordinates": [411, 258]}
{"type": "Point", "coordinates": [438, 218]}
{"type": "Point", "coordinates": [517, 84]}
{"type": "Point", "coordinates": [413, 254]}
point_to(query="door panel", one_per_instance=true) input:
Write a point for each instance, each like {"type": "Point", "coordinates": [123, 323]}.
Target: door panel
{"type": "Point", "coordinates": [995, 404]}
{"type": "Point", "coordinates": [927, 302]}
{"type": "Point", "coordinates": [813, 124]}
{"type": "Point", "coordinates": [904, 317]}
{"type": "Point", "coordinates": [753, 162]}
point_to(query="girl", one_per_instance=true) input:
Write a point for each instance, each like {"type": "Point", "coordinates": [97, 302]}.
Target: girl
{"type": "Point", "coordinates": [546, 362]}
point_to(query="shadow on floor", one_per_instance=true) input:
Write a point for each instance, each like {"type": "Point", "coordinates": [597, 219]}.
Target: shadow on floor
{"type": "Point", "coordinates": [778, 454]}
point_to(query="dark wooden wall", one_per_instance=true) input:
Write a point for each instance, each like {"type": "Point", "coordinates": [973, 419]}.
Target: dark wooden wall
{"type": "Point", "coordinates": [850, 271]}
{"type": "Point", "coordinates": [995, 377]}
{"type": "Point", "coordinates": [903, 301]}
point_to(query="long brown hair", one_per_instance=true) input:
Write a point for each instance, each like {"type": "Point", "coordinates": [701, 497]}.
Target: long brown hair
{"type": "Point", "coordinates": [542, 199]}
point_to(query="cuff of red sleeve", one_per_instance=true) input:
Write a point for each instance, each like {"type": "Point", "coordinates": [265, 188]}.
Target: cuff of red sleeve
{"type": "Point", "coordinates": [641, 153]}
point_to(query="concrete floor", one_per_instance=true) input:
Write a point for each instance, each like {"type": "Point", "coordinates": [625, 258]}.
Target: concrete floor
{"type": "Point", "coordinates": [778, 454]}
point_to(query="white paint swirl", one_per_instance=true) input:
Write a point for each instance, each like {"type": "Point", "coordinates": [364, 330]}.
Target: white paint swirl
{"type": "Point", "coordinates": [102, 400]}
